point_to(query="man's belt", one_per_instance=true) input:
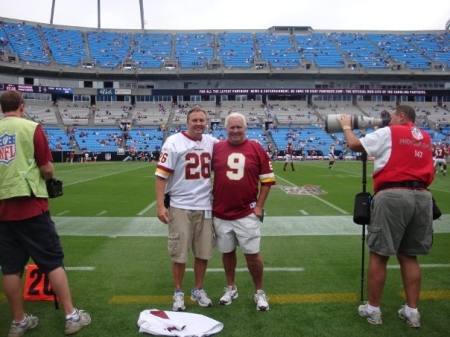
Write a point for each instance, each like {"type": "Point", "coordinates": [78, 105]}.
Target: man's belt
{"type": "Point", "coordinates": [413, 185]}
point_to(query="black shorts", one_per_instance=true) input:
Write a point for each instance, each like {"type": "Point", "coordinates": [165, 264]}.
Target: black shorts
{"type": "Point", "coordinates": [34, 237]}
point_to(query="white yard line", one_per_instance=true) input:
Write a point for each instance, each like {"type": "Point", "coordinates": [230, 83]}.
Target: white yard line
{"type": "Point", "coordinates": [239, 270]}
{"type": "Point", "coordinates": [146, 209]}
{"type": "Point", "coordinates": [272, 226]}
{"type": "Point", "coordinates": [102, 176]}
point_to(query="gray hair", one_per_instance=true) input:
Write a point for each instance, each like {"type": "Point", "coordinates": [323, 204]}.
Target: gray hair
{"type": "Point", "coordinates": [236, 115]}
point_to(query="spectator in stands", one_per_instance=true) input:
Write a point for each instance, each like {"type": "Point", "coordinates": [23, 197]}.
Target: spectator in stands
{"type": "Point", "coordinates": [26, 227]}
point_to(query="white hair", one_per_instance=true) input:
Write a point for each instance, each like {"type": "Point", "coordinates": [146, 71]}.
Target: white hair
{"type": "Point", "coordinates": [236, 115]}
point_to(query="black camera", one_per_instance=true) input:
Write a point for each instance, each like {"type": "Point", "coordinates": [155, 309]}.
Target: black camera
{"type": "Point", "coordinates": [54, 188]}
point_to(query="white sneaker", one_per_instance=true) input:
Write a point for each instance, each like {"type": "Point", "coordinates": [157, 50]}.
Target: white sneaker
{"type": "Point", "coordinates": [199, 296]}
{"type": "Point", "coordinates": [229, 296]}
{"type": "Point", "coordinates": [412, 320]}
{"type": "Point", "coordinates": [261, 300]}
{"type": "Point", "coordinates": [178, 301]}
{"type": "Point", "coordinates": [18, 329]}
{"type": "Point", "coordinates": [73, 326]}
{"type": "Point", "coordinates": [373, 318]}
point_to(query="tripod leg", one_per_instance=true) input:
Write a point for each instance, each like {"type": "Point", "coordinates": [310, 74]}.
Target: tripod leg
{"type": "Point", "coordinates": [363, 238]}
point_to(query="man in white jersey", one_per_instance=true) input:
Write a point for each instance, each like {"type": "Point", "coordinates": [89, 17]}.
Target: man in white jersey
{"type": "Point", "coordinates": [183, 173]}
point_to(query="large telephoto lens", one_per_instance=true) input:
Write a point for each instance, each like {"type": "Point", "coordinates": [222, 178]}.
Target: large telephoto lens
{"type": "Point", "coordinates": [332, 124]}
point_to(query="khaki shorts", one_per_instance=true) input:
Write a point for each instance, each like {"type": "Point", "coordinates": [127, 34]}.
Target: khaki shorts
{"type": "Point", "coordinates": [401, 221]}
{"type": "Point", "coordinates": [245, 232]}
{"type": "Point", "coordinates": [188, 230]}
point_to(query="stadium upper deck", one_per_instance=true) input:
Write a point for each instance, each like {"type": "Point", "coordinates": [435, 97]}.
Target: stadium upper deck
{"type": "Point", "coordinates": [253, 72]}
{"type": "Point", "coordinates": [279, 51]}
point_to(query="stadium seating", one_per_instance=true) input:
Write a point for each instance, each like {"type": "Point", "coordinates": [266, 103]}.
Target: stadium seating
{"type": "Point", "coordinates": [278, 50]}
{"type": "Point", "coordinates": [109, 49]}
{"type": "Point", "coordinates": [236, 50]}
{"type": "Point", "coordinates": [194, 50]}
{"type": "Point", "coordinates": [42, 112]}
{"type": "Point", "coordinates": [150, 50]}
{"type": "Point", "coordinates": [67, 46]}
{"type": "Point", "coordinates": [309, 138]}
{"type": "Point", "coordinates": [397, 48]}
{"type": "Point", "coordinates": [151, 113]}
{"type": "Point", "coordinates": [56, 48]}
{"type": "Point", "coordinates": [25, 42]}
{"type": "Point", "coordinates": [58, 139]}
{"type": "Point", "coordinates": [435, 46]}
{"type": "Point", "coordinates": [145, 139]}
{"type": "Point", "coordinates": [359, 49]}
{"type": "Point", "coordinates": [73, 113]}
{"type": "Point", "coordinates": [126, 50]}
{"type": "Point", "coordinates": [318, 48]}
{"type": "Point", "coordinates": [98, 139]}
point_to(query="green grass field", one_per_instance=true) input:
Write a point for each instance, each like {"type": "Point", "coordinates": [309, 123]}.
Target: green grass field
{"type": "Point", "coordinates": [312, 252]}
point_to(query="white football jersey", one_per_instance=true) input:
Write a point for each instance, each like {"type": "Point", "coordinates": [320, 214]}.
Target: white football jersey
{"type": "Point", "coordinates": [186, 164]}
{"type": "Point", "coordinates": [173, 323]}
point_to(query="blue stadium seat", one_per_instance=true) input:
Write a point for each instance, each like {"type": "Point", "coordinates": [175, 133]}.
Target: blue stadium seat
{"type": "Point", "coordinates": [58, 139]}
{"type": "Point", "coordinates": [278, 50]}
{"type": "Point", "coordinates": [194, 50]}
{"type": "Point", "coordinates": [67, 46]}
{"type": "Point", "coordinates": [25, 41]}
{"type": "Point", "coordinates": [109, 49]}
{"type": "Point", "coordinates": [150, 50]}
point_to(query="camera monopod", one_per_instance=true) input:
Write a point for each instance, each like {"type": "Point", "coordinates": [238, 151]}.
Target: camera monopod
{"type": "Point", "coordinates": [361, 214]}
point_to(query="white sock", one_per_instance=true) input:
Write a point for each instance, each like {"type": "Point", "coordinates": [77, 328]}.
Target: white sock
{"type": "Point", "coordinates": [409, 310]}
{"type": "Point", "coordinates": [371, 309]}
{"type": "Point", "coordinates": [73, 315]}
{"type": "Point", "coordinates": [22, 322]}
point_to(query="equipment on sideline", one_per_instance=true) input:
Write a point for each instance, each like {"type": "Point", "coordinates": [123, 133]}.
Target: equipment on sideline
{"type": "Point", "coordinates": [332, 124]}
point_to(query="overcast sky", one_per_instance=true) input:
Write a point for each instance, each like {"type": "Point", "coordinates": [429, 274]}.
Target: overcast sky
{"type": "Point", "coordinates": [237, 14]}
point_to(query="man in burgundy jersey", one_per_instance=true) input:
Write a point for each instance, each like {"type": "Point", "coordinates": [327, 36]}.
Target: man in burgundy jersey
{"type": "Point", "coordinates": [243, 176]}
{"type": "Point", "coordinates": [289, 156]}
{"type": "Point", "coordinates": [440, 153]}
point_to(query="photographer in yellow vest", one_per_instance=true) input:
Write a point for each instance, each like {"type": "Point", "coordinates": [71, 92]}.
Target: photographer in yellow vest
{"type": "Point", "coordinates": [26, 228]}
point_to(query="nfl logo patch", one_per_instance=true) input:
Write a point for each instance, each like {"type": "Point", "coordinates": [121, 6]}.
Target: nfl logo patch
{"type": "Point", "coordinates": [7, 148]}
{"type": "Point", "coordinates": [416, 133]}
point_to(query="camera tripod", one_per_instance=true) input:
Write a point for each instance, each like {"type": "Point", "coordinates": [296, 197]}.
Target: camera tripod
{"type": "Point", "coordinates": [363, 233]}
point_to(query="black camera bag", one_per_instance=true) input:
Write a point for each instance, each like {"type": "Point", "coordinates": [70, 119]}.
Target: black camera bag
{"type": "Point", "coordinates": [436, 211]}
{"type": "Point", "coordinates": [361, 212]}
